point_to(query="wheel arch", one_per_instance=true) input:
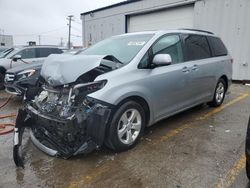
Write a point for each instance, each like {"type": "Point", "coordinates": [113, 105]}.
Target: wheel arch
{"type": "Point", "coordinates": [224, 77]}
{"type": "Point", "coordinates": [143, 102]}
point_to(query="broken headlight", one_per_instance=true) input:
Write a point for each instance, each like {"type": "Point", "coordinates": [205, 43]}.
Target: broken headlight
{"type": "Point", "coordinates": [89, 87]}
{"type": "Point", "coordinates": [80, 91]}
{"type": "Point", "coordinates": [25, 74]}
{"type": "Point", "coordinates": [92, 87]}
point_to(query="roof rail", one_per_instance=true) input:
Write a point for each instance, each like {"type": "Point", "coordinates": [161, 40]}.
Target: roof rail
{"type": "Point", "coordinates": [199, 30]}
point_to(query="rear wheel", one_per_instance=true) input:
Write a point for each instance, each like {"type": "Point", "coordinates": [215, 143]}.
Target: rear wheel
{"type": "Point", "coordinates": [219, 93]}
{"type": "Point", "coordinates": [1, 81]}
{"type": "Point", "coordinates": [126, 126]}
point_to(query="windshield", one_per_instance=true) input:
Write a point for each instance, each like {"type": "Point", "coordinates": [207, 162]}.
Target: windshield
{"type": "Point", "coordinates": [2, 49]}
{"type": "Point", "coordinates": [124, 48]}
{"type": "Point", "coordinates": [6, 52]}
{"type": "Point", "coordinates": [12, 52]}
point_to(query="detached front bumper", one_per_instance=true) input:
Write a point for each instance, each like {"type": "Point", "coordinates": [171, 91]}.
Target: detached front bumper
{"type": "Point", "coordinates": [42, 147]}
{"type": "Point", "coordinates": [65, 138]}
{"type": "Point", "coordinates": [80, 134]}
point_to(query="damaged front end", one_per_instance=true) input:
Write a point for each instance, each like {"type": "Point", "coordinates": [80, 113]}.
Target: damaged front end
{"type": "Point", "coordinates": [63, 120]}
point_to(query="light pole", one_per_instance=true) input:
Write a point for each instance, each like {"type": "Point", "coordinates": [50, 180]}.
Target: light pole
{"type": "Point", "coordinates": [70, 18]}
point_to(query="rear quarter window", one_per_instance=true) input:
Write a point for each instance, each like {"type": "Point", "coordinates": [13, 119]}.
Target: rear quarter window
{"type": "Point", "coordinates": [217, 46]}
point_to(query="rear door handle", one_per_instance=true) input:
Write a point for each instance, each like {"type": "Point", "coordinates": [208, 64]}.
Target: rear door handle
{"type": "Point", "coordinates": [185, 69]}
{"type": "Point", "coordinates": [195, 67]}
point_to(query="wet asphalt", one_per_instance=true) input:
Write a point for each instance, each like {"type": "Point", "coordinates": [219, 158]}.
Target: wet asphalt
{"type": "Point", "coordinates": [202, 147]}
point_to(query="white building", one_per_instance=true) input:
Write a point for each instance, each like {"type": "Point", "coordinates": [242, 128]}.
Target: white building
{"type": "Point", "coordinates": [228, 19]}
{"type": "Point", "coordinates": [6, 41]}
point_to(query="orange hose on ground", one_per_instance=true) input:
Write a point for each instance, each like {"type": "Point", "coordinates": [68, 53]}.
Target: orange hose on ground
{"type": "Point", "coordinates": [6, 102]}
{"type": "Point", "coordinates": [3, 129]}
{"type": "Point", "coordinates": [3, 126]}
{"type": "Point", "coordinates": [7, 116]}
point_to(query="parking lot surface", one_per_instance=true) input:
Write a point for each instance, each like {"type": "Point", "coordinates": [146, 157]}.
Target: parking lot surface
{"type": "Point", "coordinates": [201, 147]}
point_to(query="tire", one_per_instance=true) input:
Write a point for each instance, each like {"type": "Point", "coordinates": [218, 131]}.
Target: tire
{"type": "Point", "coordinates": [1, 81]}
{"type": "Point", "coordinates": [124, 133]}
{"type": "Point", "coordinates": [219, 93]}
{"type": "Point", "coordinates": [248, 170]}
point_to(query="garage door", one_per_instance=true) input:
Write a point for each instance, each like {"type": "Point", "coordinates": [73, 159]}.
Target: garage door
{"type": "Point", "coordinates": [180, 17]}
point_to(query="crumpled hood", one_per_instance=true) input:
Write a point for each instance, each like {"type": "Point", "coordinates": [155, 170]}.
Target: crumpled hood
{"type": "Point", "coordinates": [60, 69]}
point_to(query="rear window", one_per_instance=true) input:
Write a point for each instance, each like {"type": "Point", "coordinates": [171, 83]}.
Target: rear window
{"type": "Point", "coordinates": [217, 46]}
{"type": "Point", "coordinates": [45, 52]}
{"type": "Point", "coordinates": [196, 47]}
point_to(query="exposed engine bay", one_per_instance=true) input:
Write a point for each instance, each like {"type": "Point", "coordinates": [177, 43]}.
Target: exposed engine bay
{"type": "Point", "coordinates": [63, 120]}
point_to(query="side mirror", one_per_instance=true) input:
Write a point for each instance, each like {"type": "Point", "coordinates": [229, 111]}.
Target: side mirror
{"type": "Point", "coordinates": [16, 57]}
{"type": "Point", "coordinates": [162, 60]}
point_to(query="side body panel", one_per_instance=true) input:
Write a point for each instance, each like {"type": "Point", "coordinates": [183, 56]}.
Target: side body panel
{"type": "Point", "coordinates": [166, 89]}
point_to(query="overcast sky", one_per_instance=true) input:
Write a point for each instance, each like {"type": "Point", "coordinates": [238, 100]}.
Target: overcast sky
{"type": "Point", "coordinates": [27, 19]}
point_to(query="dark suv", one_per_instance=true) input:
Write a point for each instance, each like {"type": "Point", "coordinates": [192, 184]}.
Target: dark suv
{"type": "Point", "coordinates": [25, 55]}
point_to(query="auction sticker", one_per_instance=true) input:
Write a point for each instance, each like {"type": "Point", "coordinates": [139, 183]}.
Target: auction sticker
{"type": "Point", "coordinates": [136, 43]}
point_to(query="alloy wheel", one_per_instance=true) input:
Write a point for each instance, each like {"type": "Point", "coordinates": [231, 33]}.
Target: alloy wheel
{"type": "Point", "coordinates": [129, 126]}
{"type": "Point", "coordinates": [220, 92]}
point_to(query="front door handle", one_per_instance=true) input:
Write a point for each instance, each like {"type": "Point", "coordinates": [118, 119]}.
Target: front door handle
{"type": "Point", "coordinates": [185, 69]}
{"type": "Point", "coordinates": [195, 67]}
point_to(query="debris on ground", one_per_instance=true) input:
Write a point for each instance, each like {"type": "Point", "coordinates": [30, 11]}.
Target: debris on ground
{"type": "Point", "coordinates": [148, 139]}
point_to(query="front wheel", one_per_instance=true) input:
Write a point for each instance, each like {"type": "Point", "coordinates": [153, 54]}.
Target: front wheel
{"type": "Point", "coordinates": [126, 126]}
{"type": "Point", "coordinates": [219, 93]}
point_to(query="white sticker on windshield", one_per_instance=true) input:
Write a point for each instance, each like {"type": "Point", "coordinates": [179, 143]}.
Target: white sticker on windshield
{"type": "Point", "coordinates": [136, 43]}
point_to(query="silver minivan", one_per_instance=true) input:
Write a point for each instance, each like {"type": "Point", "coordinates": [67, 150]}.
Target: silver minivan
{"type": "Point", "coordinates": [110, 92]}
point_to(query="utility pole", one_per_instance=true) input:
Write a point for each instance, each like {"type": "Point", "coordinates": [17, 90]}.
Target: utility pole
{"type": "Point", "coordinates": [39, 39]}
{"type": "Point", "coordinates": [70, 18]}
{"type": "Point", "coordinates": [61, 44]}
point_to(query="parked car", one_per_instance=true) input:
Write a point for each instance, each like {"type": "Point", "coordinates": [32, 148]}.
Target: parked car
{"type": "Point", "coordinates": [248, 150]}
{"type": "Point", "coordinates": [23, 55]}
{"type": "Point", "coordinates": [114, 89]}
{"type": "Point", "coordinates": [23, 80]}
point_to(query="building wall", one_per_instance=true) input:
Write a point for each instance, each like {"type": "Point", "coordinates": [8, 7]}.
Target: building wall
{"type": "Point", "coordinates": [6, 40]}
{"type": "Point", "coordinates": [99, 29]}
{"type": "Point", "coordinates": [228, 19]}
